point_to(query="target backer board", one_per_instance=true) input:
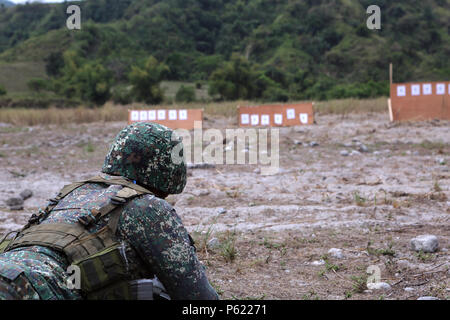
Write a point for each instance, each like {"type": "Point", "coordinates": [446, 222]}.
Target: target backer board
{"type": "Point", "coordinates": [420, 101]}
{"type": "Point", "coordinates": [276, 115]}
{"type": "Point", "coordinates": [171, 118]}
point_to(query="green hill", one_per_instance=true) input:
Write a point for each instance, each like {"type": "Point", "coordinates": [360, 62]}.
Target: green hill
{"type": "Point", "coordinates": [309, 49]}
{"type": "Point", "coordinates": [6, 3]}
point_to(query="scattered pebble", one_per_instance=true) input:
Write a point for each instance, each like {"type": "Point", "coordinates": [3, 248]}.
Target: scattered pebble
{"type": "Point", "coordinates": [425, 243]}
{"type": "Point", "coordinates": [441, 161]}
{"type": "Point", "coordinates": [26, 194]}
{"type": "Point", "coordinates": [257, 171]}
{"type": "Point", "coordinates": [428, 298]}
{"type": "Point", "coordinates": [15, 203]}
{"type": "Point", "coordinates": [318, 263]}
{"type": "Point", "coordinates": [313, 144]}
{"type": "Point", "coordinates": [345, 153]}
{"type": "Point", "coordinates": [214, 243]}
{"type": "Point", "coordinates": [221, 211]}
{"type": "Point", "coordinates": [363, 148]}
{"type": "Point", "coordinates": [409, 289]}
{"type": "Point", "coordinates": [336, 253]}
{"type": "Point", "coordinates": [378, 286]}
{"type": "Point", "coordinates": [201, 165]}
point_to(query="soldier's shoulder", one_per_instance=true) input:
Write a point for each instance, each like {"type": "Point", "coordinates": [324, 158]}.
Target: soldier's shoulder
{"type": "Point", "coordinates": [149, 204]}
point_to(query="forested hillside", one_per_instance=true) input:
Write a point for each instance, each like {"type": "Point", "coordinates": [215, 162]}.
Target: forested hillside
{"type": "Point", "coordinates": [277, 50]}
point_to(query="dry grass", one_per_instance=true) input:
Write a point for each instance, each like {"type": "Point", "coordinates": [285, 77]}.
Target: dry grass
{"type": "Point", "coordinates": [111, 112]}
{"type": "Point", "coordinates": [346, 106]}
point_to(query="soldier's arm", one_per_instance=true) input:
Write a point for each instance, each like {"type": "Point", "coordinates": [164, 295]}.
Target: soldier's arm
{"type": "Point", "coordinates": [155, 230]}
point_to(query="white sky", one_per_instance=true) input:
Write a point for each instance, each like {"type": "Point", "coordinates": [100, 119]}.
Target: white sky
{"type": "Point", "coordinates": [47, 1]}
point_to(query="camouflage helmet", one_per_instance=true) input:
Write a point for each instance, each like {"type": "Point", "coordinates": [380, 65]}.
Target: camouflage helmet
{"type": "Point", "coordinates": [143, 152]}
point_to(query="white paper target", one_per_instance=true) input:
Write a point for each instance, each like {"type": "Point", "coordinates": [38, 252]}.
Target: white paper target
{"type": "Point", "coordinates": [290, 114]}
{"type": "Point", "coordinates": [143, 116]}
{"type": "Point", "coordinates": [415, 90]}
{"type": "Point", "coordinates": [265, 120]}
{"type": "Point", "coordinates": [440, 88]}
{"type": "Point", "coordinates": [152, 115]}
{"type": "Point", "coordinates": [245, 118]}
{"type": "Point", "coordinates": [278, 119]}
{"type": "Point", "coordinates": [183, 115]}
{"type": "Point", "coordinates": [172, 114]}
{"type": "Point", "coordinates": [401, 91]}
{"type": "Point", "coordinates": [427, 89]}
{"type": "Point", "coordinates": [254, 119]}
{"type": "Point", "coordinates": [304, 118]}
{"type": "Point", "coordinates": [134, 115]}
{"type": "Point", "coordinates": [161, 114]}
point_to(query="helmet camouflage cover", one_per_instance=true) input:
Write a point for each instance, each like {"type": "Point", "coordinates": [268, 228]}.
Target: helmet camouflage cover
{"type": "Point", "coordinates": [143, 152]}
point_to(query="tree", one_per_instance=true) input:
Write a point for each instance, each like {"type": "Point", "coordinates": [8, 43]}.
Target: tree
{"type": "Point", "coordinates": [37, 84]}
{"type": "Point", "coordinates": [146, 80]}
{"type": "Point", "coordinates": [93, 83]}
{"type": "Point", "coordinates": [185, 94]}
{"type": "Point", "coordinates": [54, 64]}
{"type": "Point", "coordinates": [234, 80]}
{"type": "Point", "coordinates": [2, 90]}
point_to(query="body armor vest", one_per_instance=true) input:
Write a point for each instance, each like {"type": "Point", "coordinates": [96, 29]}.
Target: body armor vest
{"type": "Point", "coordinates": [97, 255]}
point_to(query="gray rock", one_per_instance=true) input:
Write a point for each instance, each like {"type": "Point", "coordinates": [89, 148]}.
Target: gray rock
{"type": "Point", "coordinates": [313, 144]}
{"type": "Point", "coordinates": [221, 211]}
{"type": "Point", "coordinates": [201, 165]}
{"type": "Point", "coordinates": [297, 142]}
{"type": "Point", "coordinates": [257, 171]}
{"type": "Point", "coordinates": [441, 161]}
{"type": "Point", "coordinates": [318, 263]}
{"type": "Point", "coordinates": [345, 153]}
{"type": "Point", "coordinates": [214, 243]}
{"type": "Point", "coordinates": [336, 253]}
{"type": "Point", "coordinates": [13, 202]}
{"type": "Point", "coordinates": [409, 289]}
{"type": "Point", "coordinates": [378, 286]}
{"type": "Point", "coordinates": [354, 152]}
{"type": "Point", "coordinates": [427, 298]}
{"type": "Point", "coordinates": [201, 192]}
{"type": "Point", "coordinates": [26, 194]}
{"type": "Point", "coordinates": [16, 208]}
{"type": "Point", "coordinates": [363, 148]}
{"type": "Point", "coordinates": [425, 243]}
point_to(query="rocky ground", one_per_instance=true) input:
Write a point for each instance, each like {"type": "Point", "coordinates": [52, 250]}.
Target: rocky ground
{"type": "Point", "coordinates": [351, 193]}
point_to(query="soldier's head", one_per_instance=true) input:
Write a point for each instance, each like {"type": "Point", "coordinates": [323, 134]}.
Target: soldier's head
{"type": "Point", "coordinates": [143, 152]}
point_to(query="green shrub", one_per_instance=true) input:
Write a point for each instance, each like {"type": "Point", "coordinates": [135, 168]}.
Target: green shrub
{"type": "Point", "coordinates": [37, 84]}
{"type": "Point", "coordinates": [185, 94]}
{"type": "Point", "coordinates": [2, 90]}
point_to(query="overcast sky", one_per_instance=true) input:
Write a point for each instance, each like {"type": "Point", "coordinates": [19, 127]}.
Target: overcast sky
{"type": "Point", "coordinates": [23, 1]}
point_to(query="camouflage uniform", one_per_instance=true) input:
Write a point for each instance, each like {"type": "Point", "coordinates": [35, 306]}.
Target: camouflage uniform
{"type": "Point", "coordinates": [152, 236]}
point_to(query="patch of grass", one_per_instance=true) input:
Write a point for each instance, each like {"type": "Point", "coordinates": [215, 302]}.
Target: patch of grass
{"type": "Point", "coordinates": [359, 200]}
{"type": "Point", "coordinates": [311, 295]}
{"type": "Point", "coordinates": [201, 238]}
{"type": "Point", "coordinates": [228, 248]}
{"type": "Point", "coordinates": [437, 187]}
{"type": "Point", "coordinates": [89, 147]}
{"type": "Point", "coordinates": [359, 283]}
{"type": "Point", "coordinates": [346, 106]}
{"type": "Point", "coordinates": [429, 145]}
{"type": "Point", "coordinates": [383, 251]}
{"type": "Point", "coordinates": [424, 257]}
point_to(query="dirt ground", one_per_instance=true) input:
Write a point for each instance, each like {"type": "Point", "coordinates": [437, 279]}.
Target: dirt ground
{"type": "Point", "coordinates": [274, 232]}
